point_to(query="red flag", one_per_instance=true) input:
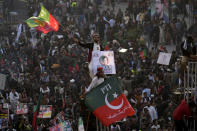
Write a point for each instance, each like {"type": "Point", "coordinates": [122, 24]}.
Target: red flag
{"type": "Point", "coordinates": [108, 102]}
{"type": "Point", "coordinates": [45, 22]}
{"type": "Point", "coordinates": [143, 54]}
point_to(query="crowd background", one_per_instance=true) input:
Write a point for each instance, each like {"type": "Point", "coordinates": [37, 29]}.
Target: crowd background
{"type": "Point", "coordinates": [57, 66]}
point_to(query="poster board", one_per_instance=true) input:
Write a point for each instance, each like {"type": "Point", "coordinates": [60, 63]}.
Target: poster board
{"type": "Point", "coordinates": [104, 59]}
{"type": "Point", "coordinates": [159, 10]}
{"type": "Point", "coordinates": [2, 81]}
{"type": "Point", "coordinates": [45, 111]}
{"type": "Point", "coordinates": [4, 115]}
{"type": "Point", "coordinates": [63, 126]}
{"type": "Point", "coordinates": [164, 58]}
{"type": "Point", "coordinates": [21, 109]}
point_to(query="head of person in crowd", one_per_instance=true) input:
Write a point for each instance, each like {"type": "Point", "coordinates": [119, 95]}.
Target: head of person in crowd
{"type": "Point", "coordinates": [192, 105]}
{"type": "Point", "coordinates": [100, 72]}
{"type": "Point", "coordinates": [190, 39]}
{"type": "Point", "coordinates": [158, 7]}
{"type": "Point", "coordinates": [96, 37]}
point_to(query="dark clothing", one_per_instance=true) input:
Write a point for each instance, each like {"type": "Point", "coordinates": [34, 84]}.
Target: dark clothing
{"type": "Point", "coordinates": [90, 47]}
{"type": "Point", "coordinates": [180, 125]}
{"type": "Point", "coordinates": [156, 34]}
{"type": "Point", "coordinates": [189, 50]}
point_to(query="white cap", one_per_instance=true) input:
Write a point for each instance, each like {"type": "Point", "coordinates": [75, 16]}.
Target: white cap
{"type": "Point", "coordinates": [72, 81]}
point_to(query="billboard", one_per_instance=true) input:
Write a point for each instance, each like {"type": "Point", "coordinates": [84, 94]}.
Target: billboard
{"type": "Point", "coordinates": [159, 10]}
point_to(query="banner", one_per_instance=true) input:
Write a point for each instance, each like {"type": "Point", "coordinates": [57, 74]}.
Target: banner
{"type": "Point", "coordinates": [2, 81]}
{"type": "Point", "coordinates": [108, 102]}
{"type": "Point", "coordinates": [64, 126]}
{"type": "Point", "coordinates": [164, 58]}
{"type": "Point", "coordinates": [45, 111]}
{"type": "Point", "coordinates": [104, 59]}
{"type": "Point", "coordinates": [4, 115]}
{"type": "Point", "coordinates": [159, 10]}
{"type": "Point", "coordinates": [21, 109]}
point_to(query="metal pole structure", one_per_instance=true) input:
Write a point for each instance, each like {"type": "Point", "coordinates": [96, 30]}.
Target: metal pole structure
{"type": "Point", "coordinates": [195, 83]}
{"type": "Point", "coordinates": [97, 127]}
{"type": "Point", "coordinates": [188, 70]}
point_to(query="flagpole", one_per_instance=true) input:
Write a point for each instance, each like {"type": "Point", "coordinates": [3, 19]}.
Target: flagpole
{"type": "Point", "coordinates": [88, 121]}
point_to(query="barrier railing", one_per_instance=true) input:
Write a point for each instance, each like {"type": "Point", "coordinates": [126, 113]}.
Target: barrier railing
{"type": "Point", "coordinates": [191, 123]}
{"type": "Point", "coordinates": [190, 81]}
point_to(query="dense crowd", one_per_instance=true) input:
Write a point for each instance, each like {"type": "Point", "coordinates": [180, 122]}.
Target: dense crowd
{"type": "Point", "coordinates": [57, 66]}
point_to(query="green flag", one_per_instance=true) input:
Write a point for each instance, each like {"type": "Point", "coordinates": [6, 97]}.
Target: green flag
{"type": "Point", "coordinates": [108, 102]}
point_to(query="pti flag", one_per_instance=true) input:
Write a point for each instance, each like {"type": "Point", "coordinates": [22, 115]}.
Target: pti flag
{"type": "Point", "coordinates": [108, 102]}
{"type": "Point", "coordinates": [36, 112]}
{"type": "Point", "coordinates": [143, 54]}
{"type": "Point", "coordinates": [45, 22]}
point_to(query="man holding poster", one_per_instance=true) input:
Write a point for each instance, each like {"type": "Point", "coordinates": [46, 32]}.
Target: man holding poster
{"type": "Point", "coordinates": [95, 46]}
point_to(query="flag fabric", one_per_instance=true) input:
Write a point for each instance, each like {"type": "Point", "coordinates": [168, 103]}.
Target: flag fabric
{"type": "Point", "coordinates": [36, 112]}
{"type": "Point", "coordinates": [45, 22]}
{"type": "Point", "coordinates": [63, 102]}
{"type": "Point", "coordinates": [108, 103]}
{"type": "Point", "coordinates": [80, 125]}
{"type": "Point", "coordinates": [143, 54]}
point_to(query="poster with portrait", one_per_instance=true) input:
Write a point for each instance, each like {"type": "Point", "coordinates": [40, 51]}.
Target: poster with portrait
{"type": "Point", "coordinates": [2, 81]}
{"type": "Point", "coordinates": [45, 111]}
{"type": "Point", "coordinates": [164, 58]}
{"type": "Point", "coordinates": [4, 116]}
{"type": "Point", "coordinates": [104, 59]}
{"type": "Point", "coordinates": [63, 126]}
{"type": "Point", "coordinates": [159, 10]}
{"type": "Point", "coordinates": [22, 109]}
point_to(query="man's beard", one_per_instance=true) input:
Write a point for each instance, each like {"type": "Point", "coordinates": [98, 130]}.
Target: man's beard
{"type": "Point", "coordinates": [96, 41]}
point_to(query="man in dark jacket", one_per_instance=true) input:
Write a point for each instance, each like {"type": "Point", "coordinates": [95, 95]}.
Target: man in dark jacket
{"type": "Point", "coordinates": [95, 46]}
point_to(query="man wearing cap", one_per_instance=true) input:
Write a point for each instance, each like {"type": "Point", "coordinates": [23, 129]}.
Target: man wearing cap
{"type": "Point", "coordinates": [97, 80]}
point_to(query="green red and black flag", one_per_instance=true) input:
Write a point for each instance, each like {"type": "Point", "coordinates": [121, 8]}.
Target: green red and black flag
{"type": "Point", "coordinates": [143, 54]}
{"type": "Point", "coordinates": [36, 113]}
{"type": "Point", "coordinates": [108, 103]}
{"type": "Point", "coordinates": [45, 22]}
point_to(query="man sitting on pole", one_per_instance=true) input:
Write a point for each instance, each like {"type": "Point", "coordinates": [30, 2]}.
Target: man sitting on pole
{"type": "Point", "coordinates": [97, 80]}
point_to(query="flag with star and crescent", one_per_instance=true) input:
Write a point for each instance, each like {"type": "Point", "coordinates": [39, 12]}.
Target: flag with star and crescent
{"type": "Point", "coordinates": [108, 103]}
{"type": "Point", "coordinates": [45, 22]}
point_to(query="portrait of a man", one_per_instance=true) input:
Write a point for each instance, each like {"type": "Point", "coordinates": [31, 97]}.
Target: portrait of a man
{"type": "Point", "coordinates": [158, 11]}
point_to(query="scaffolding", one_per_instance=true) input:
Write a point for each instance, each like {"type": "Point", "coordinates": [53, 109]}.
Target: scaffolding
{"type": "Point", "coordinates": [190, 81]}
{"type": "Point", "coordinates": [190, 89]}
